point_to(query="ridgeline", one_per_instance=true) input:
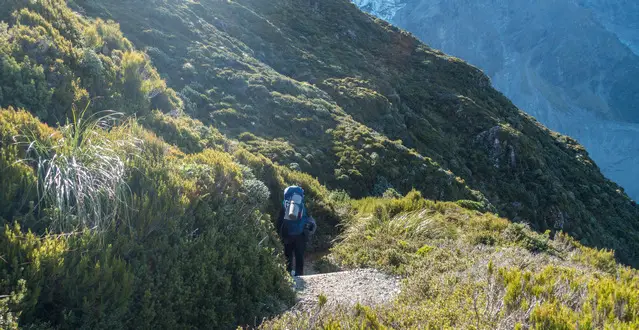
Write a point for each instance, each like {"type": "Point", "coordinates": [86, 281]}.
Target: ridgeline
{"type": "Point", "coordinates": [145, 146]}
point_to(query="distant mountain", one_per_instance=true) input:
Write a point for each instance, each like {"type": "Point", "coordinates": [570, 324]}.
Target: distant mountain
{"type": "Point", "coordinates": [620, 17]}
{"type": "Point", "coordinates": [382, 9]}
{"type": "Point", "coordinates": [571, 64]}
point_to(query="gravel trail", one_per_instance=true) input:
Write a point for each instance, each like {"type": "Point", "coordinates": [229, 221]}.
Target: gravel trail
{"type": "Point", "coordinates": [347, 288]}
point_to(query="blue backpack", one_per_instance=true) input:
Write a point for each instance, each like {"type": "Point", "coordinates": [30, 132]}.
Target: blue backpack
{"type": "Point", "coordinates": [294, 210]}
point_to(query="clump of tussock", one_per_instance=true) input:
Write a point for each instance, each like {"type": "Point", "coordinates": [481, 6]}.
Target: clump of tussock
{"type": "Point", "coordinates": [467, 269]}
{"type": "Point", "coordinates": [81, 172]}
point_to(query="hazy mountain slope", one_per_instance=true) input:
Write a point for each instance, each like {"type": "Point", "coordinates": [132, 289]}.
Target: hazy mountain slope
{"type": "Point", "coordinates": [253, 66]}
{"type": "Point", "coordinates": [619, 17]}
{"type": "Point", "coordinates": [384, 9]}
{"type": "Point", "coordinates": [569, 64]}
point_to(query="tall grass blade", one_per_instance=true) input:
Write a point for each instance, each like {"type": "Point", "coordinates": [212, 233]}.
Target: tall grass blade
{"type": "Point", "coordinates": [81, 173]}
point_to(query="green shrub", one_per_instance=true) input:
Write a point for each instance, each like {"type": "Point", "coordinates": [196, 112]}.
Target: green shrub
{"type": "Point", "coordinates": [528, 239]}
{"type": "Point", "coordinates": [424, 250]}
{"type": "Point", "coordinates": [454, 279]}
{"type": "Point", "coordinates": [553, 316]}
{"type": "Point", "coordinates": [195, 249]}
{"type": "Point", "coordinates": [19, 196]}
{"type": "Point", "coordinates": [391, 193]}
{"type": "Point", "coordinates": [52, 60]}
{"type": "Point", "coordinates": [375, 108]}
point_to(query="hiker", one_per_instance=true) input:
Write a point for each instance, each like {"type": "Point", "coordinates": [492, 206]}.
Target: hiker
{"type": "Point", "coordinates": [295, 227]}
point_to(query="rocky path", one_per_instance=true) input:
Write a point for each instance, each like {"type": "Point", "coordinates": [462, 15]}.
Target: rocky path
{"type": "Point", "coordinates": [346, 288]}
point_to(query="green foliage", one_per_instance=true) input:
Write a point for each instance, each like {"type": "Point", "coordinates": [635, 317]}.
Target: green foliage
{"type": "Point", "coordinates": [51, 265]}
{"type": "Point", "coordinates": [140, 82]}
{"type": "Point", "coordinates": [19, 195]}
{"type": "Point", "coordinates": [364, 107]}
{"type": "Point", "coordinates": [266, 109]}
{"type": "Point", "coordinates": [453, 280]}
{"type": "Point", "coordinates": [23, 84]}
{"type": "Point", "coordinates": [190, 249]}
{"type": "Point", "coordinates": [51, 59]}
{"type": "Point", "coordinates": [424, 250]}
{"type": "Point", "coordinates": [322, 300]}
{"type": "Point", "coordinates": [391, 193]}
{"type": "Point", "coordinates": [188, 134]}
{"type": "Point", "coordinates": [528, 239]}
{"type": "Point", "coordinates": [604, 260]}
{"type": "Point", "coordinates": [354, 105]}
{"type": "Point", "coordinates": [390, 233]}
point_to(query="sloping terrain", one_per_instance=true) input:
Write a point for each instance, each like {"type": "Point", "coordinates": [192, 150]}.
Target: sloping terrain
{"type": "Point", "coordinates": [462, 269]}
{"type": "Point", "coordinates": [143, 161]}
{"type": "Point", "coordinates": [364, 106]}
{"type": "Point", "coordinates": [570, 64]}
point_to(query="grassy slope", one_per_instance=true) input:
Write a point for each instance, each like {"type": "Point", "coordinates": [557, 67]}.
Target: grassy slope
{"type": "Point", "coordinates": [247, 68]}
{"type": "Point", "coordinates": [325, 87]}
{"type": "Point", "coordinates": [463, 269]}
{"type": "Point", "coordinates": [229, 87]}
{"type": "Point", "coordinates": [185, 221]}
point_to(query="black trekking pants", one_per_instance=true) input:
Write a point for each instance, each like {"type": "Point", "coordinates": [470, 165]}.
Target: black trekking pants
{"type": "Point", "coordinates": [295, 245]}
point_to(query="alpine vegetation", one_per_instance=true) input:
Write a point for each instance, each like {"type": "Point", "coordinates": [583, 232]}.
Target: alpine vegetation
{"type": "Point", "coordinates": [464, 269]}
{"type": "Point", "coordinates": [80, 172]}
{"type": "Point", "coordinates": [164, 211]}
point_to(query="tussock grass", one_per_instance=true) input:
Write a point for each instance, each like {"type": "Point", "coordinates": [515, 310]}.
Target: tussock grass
{"type": "Point", "coordinates": [80, 171]}
{"type": "Point", "coordinates": [464, 269]}
{"type": "Point", "coordinates": [196, 250]}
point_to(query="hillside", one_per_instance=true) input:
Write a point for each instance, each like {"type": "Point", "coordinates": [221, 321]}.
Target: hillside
{"type": "Point", "coordinates": [461, 269]}
{"type": "Point", "coordinates": [570, 64]}
{"type": "Point", "coordinates": [145, 146]}
{"type": "Point", "coordinates": [364, 106]}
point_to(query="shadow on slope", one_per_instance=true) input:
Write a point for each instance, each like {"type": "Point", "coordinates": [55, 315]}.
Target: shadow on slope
{"type": "Point", "coordinates": [296, 72]}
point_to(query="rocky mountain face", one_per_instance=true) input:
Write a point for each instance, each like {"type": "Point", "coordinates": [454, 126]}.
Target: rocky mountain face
{"type": "Point", "coordinates": [571, 64]}
{"type": "Point", "coordinates": [381, 9]}
{"type": "Point", "coordinates": [619, 17]}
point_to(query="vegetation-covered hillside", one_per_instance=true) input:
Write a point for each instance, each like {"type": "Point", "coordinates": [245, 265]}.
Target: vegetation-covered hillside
{"type": "Point", "coordinates": [363, 106]}
{"type": "Point", "coordinates": [144, 146]}
{"type": "Point", "coordinates": [106, 226]}
{"type": "Point", "coordinates": [462, 269]}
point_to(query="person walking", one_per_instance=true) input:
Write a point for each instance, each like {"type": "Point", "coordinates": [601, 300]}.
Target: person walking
{"type": "Point", "coordinates": [295, 227]}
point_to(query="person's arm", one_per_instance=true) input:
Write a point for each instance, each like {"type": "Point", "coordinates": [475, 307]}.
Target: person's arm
{"type": "Point", "coordinates": [311, 225]}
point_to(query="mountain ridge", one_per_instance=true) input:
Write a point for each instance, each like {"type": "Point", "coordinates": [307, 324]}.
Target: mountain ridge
{"type": "Point", "coordinates": [161, 214]}
{"type": "Point", "coordinates": [386, 85]}
{"type": "Point", "coordinates": [579, 86]}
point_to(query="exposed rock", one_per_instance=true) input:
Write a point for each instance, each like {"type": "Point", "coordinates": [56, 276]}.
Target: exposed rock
{"type": "Point", "coordinates": [499, 150]}
{"type": "Point", "coordinates": [366, 286]}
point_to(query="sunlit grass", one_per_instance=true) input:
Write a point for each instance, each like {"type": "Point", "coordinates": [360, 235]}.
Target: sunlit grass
{"type": "Point", "coordinates": [465, 269]}
{"type": "Point", "coordinates": [80, 172]}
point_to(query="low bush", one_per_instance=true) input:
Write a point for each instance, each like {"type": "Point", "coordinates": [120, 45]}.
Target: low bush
{"type": "Point", "coordinates": [195, 249]}
{"type": "Point", "coordinates": [471, 270]}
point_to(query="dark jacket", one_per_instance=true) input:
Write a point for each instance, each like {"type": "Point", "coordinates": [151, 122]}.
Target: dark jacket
{"type": "Point", "coordinates": [305, 226]}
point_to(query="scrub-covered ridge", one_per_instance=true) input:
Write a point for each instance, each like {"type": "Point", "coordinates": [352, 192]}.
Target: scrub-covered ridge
{"type": "Point", "coordinates": [145, 146]}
